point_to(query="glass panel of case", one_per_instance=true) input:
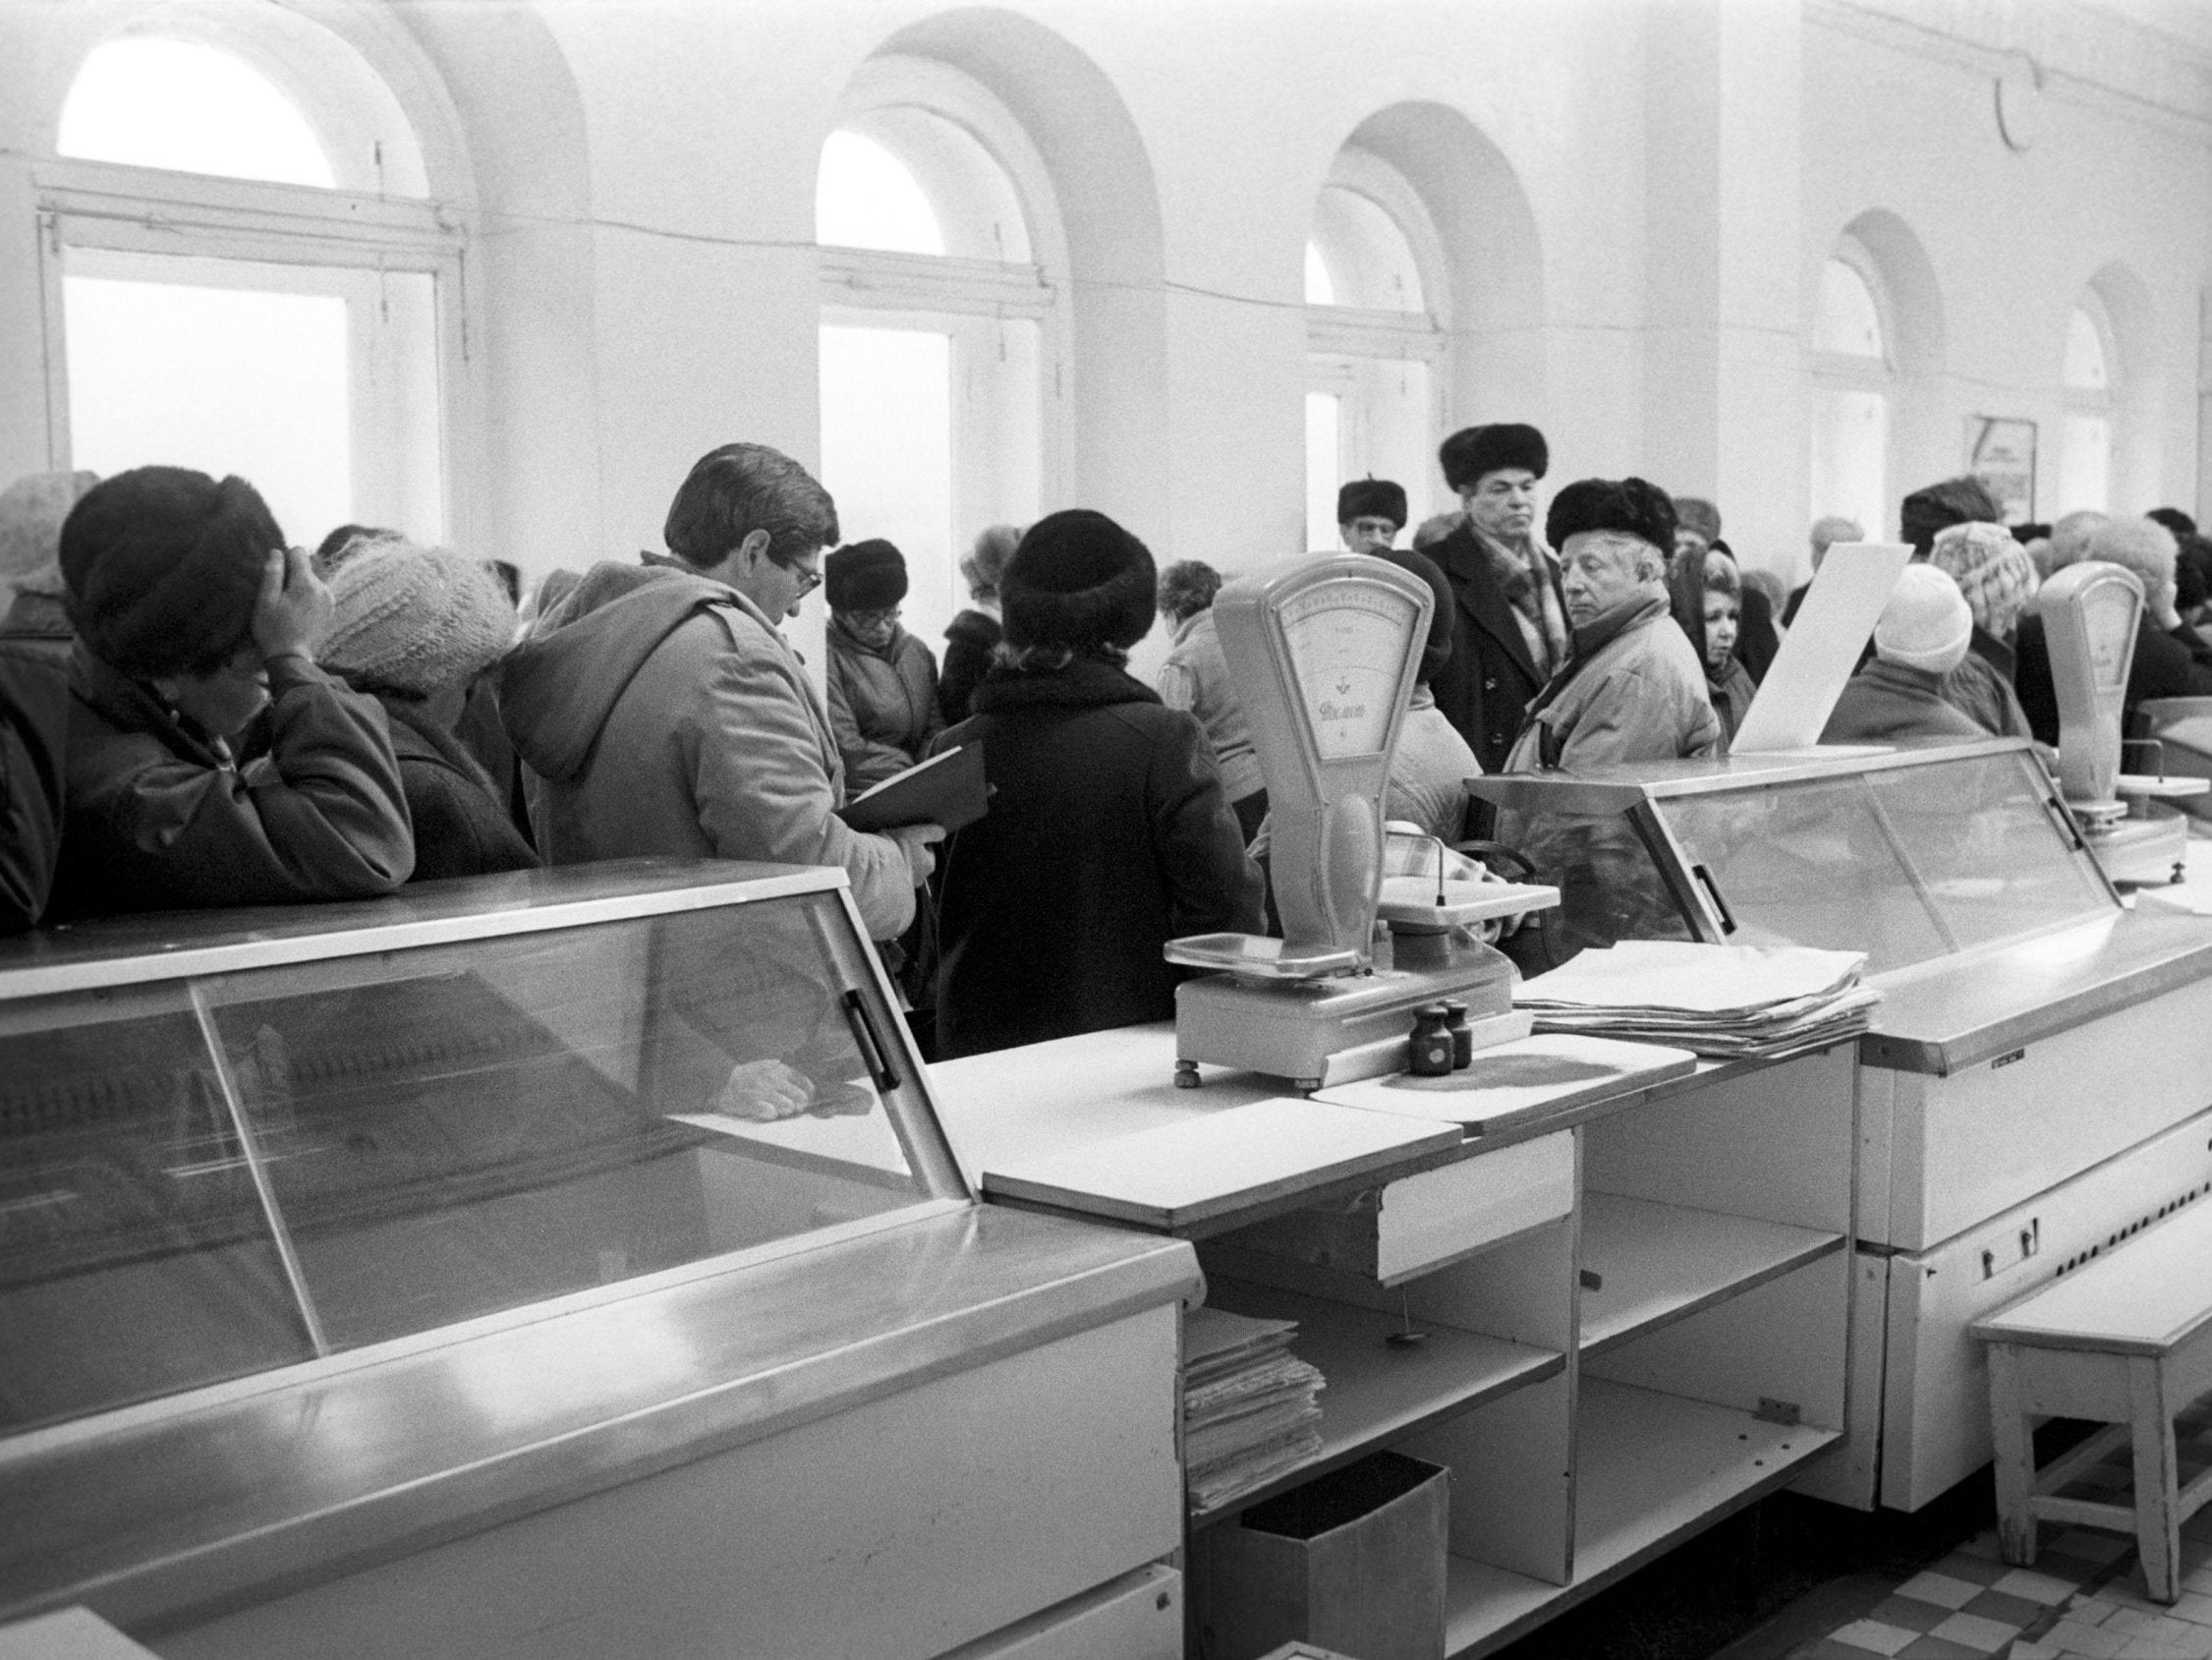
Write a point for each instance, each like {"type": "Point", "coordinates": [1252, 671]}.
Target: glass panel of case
{"type": "Point", "coordinates": [136, 1256]}
{"type": "Point", "coordinates": [442, 1132]}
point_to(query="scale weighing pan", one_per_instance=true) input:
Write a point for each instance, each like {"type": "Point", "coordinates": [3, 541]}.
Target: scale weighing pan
{"type": "Point", "coordinates": [1412, 900]}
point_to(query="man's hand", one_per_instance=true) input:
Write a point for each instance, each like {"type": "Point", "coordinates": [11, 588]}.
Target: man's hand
{"type": "Point", "coordinates": [761, 1090]}
{"type": "Point", "coordinates": [294, 608]}
{"type": "Point", "coordinates": [914, 841]}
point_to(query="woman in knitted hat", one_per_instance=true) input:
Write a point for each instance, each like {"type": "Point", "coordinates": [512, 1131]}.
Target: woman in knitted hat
{"type": "Point", "coordinates": [1108, 834]}
{"type": "Point", "coordinates": [1195, 676]}
{"type": "Point", "coordinates": [414, 627]}
{"type": "Point", "coordinates": [972, 636]}
{"type": "Point", "coordinates": [191, 618]}
{"type": "Point", "coordinates": [883, 681]}
{"type": "Point", "coordinates": [1920, 637]}
{"type": "Point", "coordinates": [1997, 579]}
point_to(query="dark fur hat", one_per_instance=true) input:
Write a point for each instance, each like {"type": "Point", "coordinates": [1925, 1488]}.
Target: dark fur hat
{"type": "Point", "coordinates": [867, 576]}
{"type": "Point", "coordinates": [1628, 505]}
{"type": "Point", "coordinates": [1473, 451]}
{"type": "Point", "coordinates": [164, 566]}
{"type": "Point", "coordinates": [1438, 651]}
{"type": "Point", "coordinates": [1963, 500]}
{"type": "Point", "coordinates": [1371, 498]}
{"type": "Point", "coordinates": [1080, 581]}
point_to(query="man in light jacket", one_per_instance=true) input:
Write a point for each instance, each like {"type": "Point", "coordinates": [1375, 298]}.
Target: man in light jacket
{"type": "Point", "coordinates": [1631, 690]}
{"type": "Point", "coordinates": [660, 711]}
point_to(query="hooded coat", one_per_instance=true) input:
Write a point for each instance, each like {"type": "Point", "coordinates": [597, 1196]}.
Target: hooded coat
{"type": "Point", "coordinates": [1107, 837]}
{"type": "Point", "coordinates": [161, 818]}
{"type": "Point", "coordinates": [659, 711]}
{"type": "Point", "coordinates": [883, 703]}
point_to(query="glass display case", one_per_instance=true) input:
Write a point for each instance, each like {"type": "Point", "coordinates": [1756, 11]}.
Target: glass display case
{"type": "Point", "coordinates": [259, 1146]}
{"type": "Point", "coordinates": [1909, 855]}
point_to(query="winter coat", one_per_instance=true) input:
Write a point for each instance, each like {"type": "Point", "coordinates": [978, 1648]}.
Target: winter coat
{"type": "Point", "coordinates": [161, 818]}
{"type": "Point", "coordinates": [1487, 684]}
{"type": "Point", "coordinates": [461, 825]}
{"type": "Point", "coordinates": [33, 770]}
{"type": "Point", "coordinates": [1632, 690]}
{"type": "Point", "coordinates": [883, 703]}
{"type": "Point", "coordinates": [1196, 676]}
{"type": "Point", "coordinates": [2163, 667]}
{"type": "Point", "coordinates": [969, 641]}
{"type": "Point", "coordinates": [1982, 688]}
{"type": "Point", "coordinates": [1730, 693]}
{"type": "Point", "coordinates": [659, 711]}
{"type": "Point", "coordinates": [1429, 770]}
{"type": "Point", "coordinates": [1887, 702]}
{"type": "Point", "coordinates": [1107, 837]}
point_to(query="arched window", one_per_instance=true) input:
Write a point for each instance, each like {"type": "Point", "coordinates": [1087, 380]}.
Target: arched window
{"type": "Point", "coordinates": [250, 280]}
{"type": "Point", "coordinates": [2087, 427]}
{"type": "Point", "coordinates": [1851, 373]}
{"type": "Point", "coordinates": [940, 322]}
{"type": "Point", "coordinates": [1374, 339]}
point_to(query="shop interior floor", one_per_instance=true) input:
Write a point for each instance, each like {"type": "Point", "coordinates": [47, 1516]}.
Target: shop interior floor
{"type": "Point", "coordinates": [1792, 1580]}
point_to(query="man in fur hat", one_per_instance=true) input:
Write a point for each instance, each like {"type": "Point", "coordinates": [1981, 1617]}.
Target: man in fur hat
{"type": "Point", "coordinates": [1370, 513]}
{"type": "Point", "coordinates": [1632, 688]}
{"type": "Point", "coordinates": [1509, 630]}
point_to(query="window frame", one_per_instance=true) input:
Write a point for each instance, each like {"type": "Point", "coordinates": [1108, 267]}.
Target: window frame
{"type": "Point", "coordinates": [1831, 373]}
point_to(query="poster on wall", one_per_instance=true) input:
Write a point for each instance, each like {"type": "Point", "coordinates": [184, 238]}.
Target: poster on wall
{"type": "Point", "coordinates": [2001, 452]}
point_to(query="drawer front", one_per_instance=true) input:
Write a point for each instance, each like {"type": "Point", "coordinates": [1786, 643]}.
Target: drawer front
{"type": "Point", "coordinates": [1440, 1215]}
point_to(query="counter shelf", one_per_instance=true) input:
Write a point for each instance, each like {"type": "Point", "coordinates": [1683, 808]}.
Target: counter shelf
{"type": "Point", "coordinates": [1713, 1212]}
{"type": "Point", "coordinates": [364, 1240]}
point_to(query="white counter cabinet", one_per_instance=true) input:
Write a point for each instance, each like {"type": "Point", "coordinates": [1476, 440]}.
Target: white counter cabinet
{"type": "Point", "coordinates": [1637, 1310]}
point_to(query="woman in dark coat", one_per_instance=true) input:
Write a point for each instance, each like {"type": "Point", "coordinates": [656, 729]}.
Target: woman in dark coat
{"type": "Point", "coordinates": [1108, 834]}
{"type": "Point", "coordinates": [414, 628]}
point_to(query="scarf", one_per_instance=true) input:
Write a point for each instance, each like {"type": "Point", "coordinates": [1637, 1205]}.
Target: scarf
{"type": "Point", "coordinates": [1534, 603]}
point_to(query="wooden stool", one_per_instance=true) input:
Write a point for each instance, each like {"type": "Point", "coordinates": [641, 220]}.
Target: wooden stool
{"type": "Point", "coordinates": [2126, 1340]}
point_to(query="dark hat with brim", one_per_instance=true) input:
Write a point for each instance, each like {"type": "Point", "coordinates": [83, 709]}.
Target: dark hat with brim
{"type": "Point", "coordinates": [1630, 506]}
{"type": "Point", "coordinates": [867, 576]}
{"type": "Point", "coordinates": [164, 567]}
{"type": "Point", "coordinates": [1963, 500]}
{"type": "Point", "coordinates": [1473, 452]}
{"type": "Point", "coordinates": [1078, 581]}
{"type": "Point", "coordinates": [1371, 498]}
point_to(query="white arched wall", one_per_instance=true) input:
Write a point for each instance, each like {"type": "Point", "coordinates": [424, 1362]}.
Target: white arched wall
{"type": "Point", "coordinates": [2139, 386]}
{"type": "Point", "coordinates": [1925, 437]}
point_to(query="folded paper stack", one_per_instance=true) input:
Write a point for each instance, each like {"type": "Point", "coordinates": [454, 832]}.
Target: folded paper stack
{"type": "Point", "coordinates": [1249, 1413]}
{"type": "Point", "coordinates": [1721, 1001]}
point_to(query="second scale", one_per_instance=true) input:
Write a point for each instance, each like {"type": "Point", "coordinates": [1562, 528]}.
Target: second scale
{"type": "Point", "coordinates": [1322, 652]}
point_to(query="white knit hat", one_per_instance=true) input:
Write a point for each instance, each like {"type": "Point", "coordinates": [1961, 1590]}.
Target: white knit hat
{"type": "Point", "coordinates": [1926, 623]}
{"type": "Point", "coordinates": [415, 621]}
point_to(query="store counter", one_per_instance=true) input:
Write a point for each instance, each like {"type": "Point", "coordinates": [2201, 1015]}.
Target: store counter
{"type": "Point", "coordinates": [566, 1262]}
{"type": "Point", "coordinates": [1631, 1298]}
{"type": "Point", "coordinates": [2037, 1083]}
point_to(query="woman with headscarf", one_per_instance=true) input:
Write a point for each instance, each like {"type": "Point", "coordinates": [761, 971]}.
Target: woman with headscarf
{"type": "Point", "coordinates": [1108, 834]}
{"type": "Point", "coordinates": [414, 627]}
{"type": "Point", "coordinates": [1997, 579]}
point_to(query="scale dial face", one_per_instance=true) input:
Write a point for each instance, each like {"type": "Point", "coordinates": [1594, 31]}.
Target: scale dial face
{"type": "Point", "coordinates": [2107, 611]}
{"type": "Point", "coordinates": [1348, 642]}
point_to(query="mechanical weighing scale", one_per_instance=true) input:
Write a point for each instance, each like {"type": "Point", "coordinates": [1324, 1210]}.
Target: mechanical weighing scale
{"type": "Point", "coordinates": [2091, 612]}
{"type": "Point", "coordinates": [1322, 652]}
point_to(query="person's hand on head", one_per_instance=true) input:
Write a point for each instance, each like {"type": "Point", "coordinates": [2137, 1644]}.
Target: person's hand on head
{"type": "Point", "coordinates": [294, 610]}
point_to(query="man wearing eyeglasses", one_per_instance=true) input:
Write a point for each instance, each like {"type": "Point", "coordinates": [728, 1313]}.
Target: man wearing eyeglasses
{"type": "Point", "coordinates": [660, 710]}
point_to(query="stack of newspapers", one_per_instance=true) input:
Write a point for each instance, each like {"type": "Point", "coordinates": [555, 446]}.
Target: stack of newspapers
{"type": "Point", "coordinates": [1721, 1001]}
{"type": "Point", "coordinates": [1249, 1413]}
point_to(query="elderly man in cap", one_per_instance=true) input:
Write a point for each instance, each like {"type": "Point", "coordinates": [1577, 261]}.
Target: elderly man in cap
{"type": "Point", "coordinates": [1631, 690]}
{"type": "Point", "coordinates": [1510, 629]}
{"type": "Point", "coordinates": [1370, 513]}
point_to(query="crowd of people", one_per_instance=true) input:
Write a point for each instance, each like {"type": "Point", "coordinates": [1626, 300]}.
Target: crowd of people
{"type": "Point", "coordinates": [196, 713]}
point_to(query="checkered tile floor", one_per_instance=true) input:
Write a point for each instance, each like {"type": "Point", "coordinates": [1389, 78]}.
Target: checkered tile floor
{"type": "Point", "coordinates": [2082, 1598]}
